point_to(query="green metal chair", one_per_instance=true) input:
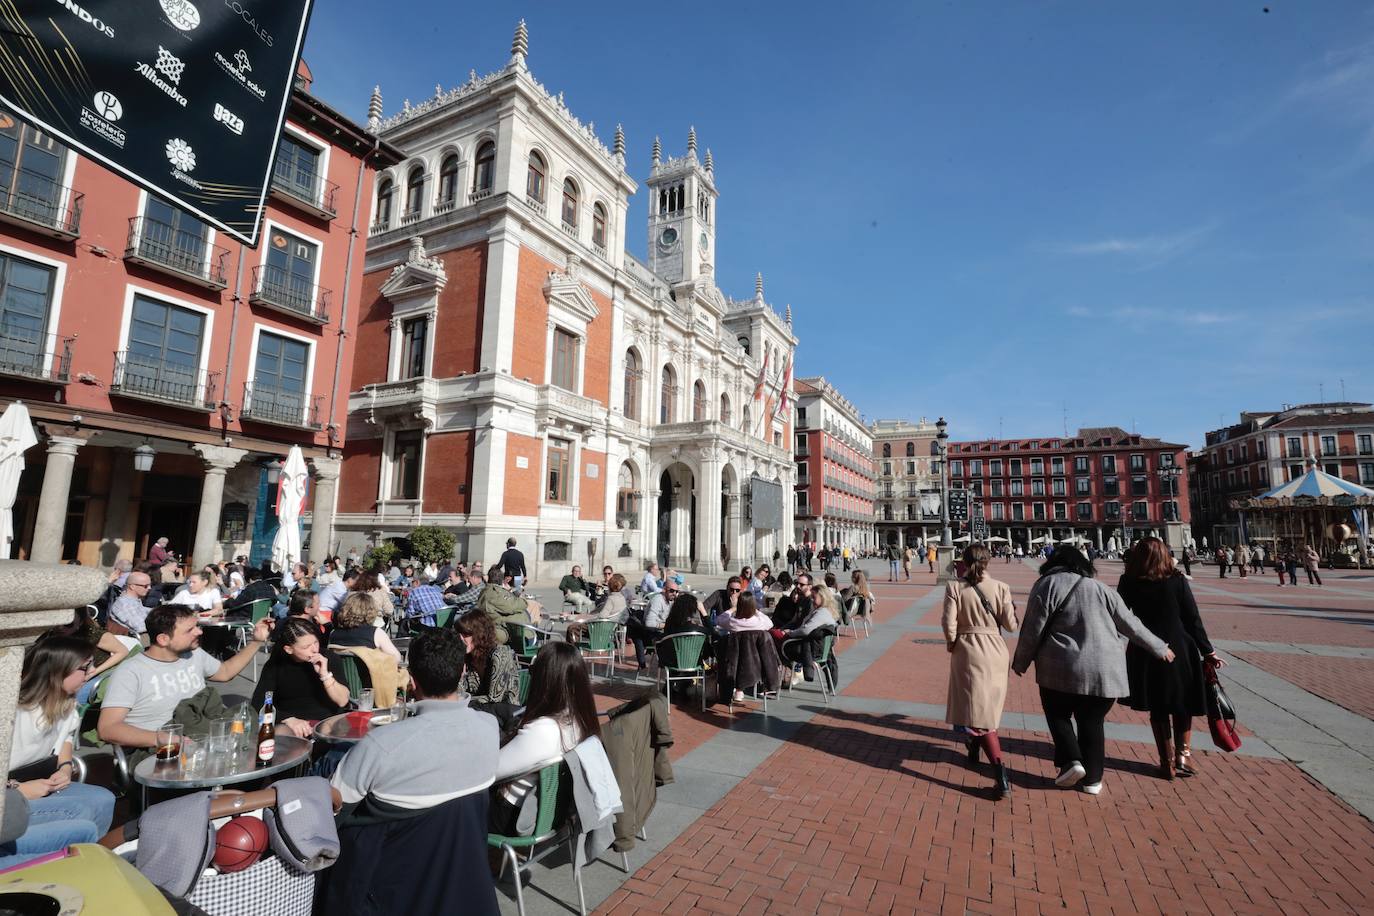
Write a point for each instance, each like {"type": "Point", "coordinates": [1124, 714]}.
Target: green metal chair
{"type": "Point", "coordinates": [599, 644]}
{"type": "Point", "coordinates": [258, 611]}
{"type": "Point", "coordinates": [524, 685]}
{"type": "Point", "coordinates": [822, 660]}
{"type": "Point", "coordinates": [524, 640]}
{"type": "Point", "coordinates": [686, 649]}
{"type": "Point", "coordinates": [545, 832]}
{"type": "Point", "coordinates": [353, 671]}
{"type": "Point", "coordinates": [443, 617]}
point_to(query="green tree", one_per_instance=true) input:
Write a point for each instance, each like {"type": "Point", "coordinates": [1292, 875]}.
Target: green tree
{"type": "Point", "coordinates": [432, 544]}
{"type": "Point", "coordinates": [382, 556]}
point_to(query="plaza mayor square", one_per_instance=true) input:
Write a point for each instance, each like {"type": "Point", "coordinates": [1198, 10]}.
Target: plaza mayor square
{"type": "Point", "coordinates": [736, 459]}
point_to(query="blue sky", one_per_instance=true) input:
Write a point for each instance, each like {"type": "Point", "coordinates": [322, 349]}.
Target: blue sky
{"type": "Point", "coordinates": [1006, 213]}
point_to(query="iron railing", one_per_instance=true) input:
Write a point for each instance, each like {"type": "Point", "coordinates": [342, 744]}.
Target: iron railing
{"type": "Point", "coordinates": [279, 288]}
{"type": "Point", "coordinates": [39, 201]}
{"type": "Point", "coordinates": [315, 190]}
{"type": "Point", "coordinates": [36, 356]}
{"type": "Point", "coordinates": [280, 406]}
{"type": "Point", "coordinates": [153, 376]}
{"type": "Point", "coordinates": [159, 245]}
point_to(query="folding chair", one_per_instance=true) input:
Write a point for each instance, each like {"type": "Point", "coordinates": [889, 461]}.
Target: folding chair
{"type": "Point", "coordinates": [599, 643]}
{"type": "Point", "coordinates": [686, 649]}
{"type": "Point", "coordinates": [821, 660]}
{"type": "Point", "coordinates": [545, 832]}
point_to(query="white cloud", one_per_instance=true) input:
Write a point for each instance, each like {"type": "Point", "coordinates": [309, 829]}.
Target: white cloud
{"type": "Point", "coordinates": [1146, 250]}
{"type": "Point", "coordinates": [1141, 315]}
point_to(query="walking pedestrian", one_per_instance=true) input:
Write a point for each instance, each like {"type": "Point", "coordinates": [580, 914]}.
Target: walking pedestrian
{"type": "Point", "coordinates": [892, 557]}
{"type": "Point", "coordinates": [976, 610]}
{"type": "Point", "coordinates": [1072, 633]}
{"type": "Point", "coordinates": [1310, 561]}
{"type": "Point", "coordinates": [1188, 562]}
{"type": "Point", "coordinates": [1171, 692]}
{"type": "Point", "coordinates": [930, 556]}
{"type": "Point", "coordinates": [1243, 561]}
{"type": "Point", "coordinates": [906, 562]}
{"type": "Point", "coordinates": [1257, 558]}
{"type": "Point", "coordinates": [1290, 560]}
{"type": "Point", "coordinates": [1222, 560]}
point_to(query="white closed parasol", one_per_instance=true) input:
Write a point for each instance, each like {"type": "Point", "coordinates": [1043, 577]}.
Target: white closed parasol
{"type": "Point", "coordinates": [286, 546]}
{"type": "Point", "coordinates": [16, 437]}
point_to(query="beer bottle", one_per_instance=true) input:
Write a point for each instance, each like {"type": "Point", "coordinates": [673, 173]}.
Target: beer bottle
{"type": "Point", "coordinates": [267, 732]}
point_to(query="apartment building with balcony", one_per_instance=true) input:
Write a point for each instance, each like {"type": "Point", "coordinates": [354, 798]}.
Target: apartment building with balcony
{"type": "Point", "coordinates": [520, 374]}
{"type": "Point", "coordinates": [167, 366]}
{"type": "Point", "coordinates": [906, 495]}
{"type": "Point", "coordinates": [834, 456]}
{"type": "Point", "coordinates": [1103, 484]}
{"type": "Point", "coordinates": [1267, 448]}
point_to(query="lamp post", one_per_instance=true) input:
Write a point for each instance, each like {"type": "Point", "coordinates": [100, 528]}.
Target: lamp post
{"type": "Point", "coordinates": [1168, 478]}
{"type": "Point", "coordinates": [942, 445]}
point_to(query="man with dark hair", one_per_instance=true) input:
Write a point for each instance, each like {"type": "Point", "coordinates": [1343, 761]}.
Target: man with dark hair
{"type": "Point", "coordinates": [333, 594]}
{"type": "Point", "coordinates": [145, 689]}
{"type": "Point", "coordinates": [444, 751]}
{"type": "Point", "coordinates": [255, 590]}
{"type": "Point", "coordinates": [513, 562]}
{"type": "Point", "coordinates": [724, 599]}
{"type": "Point", "coordinates": [795, 606]}
{"type": "Point", "coordinates": [501, 604]}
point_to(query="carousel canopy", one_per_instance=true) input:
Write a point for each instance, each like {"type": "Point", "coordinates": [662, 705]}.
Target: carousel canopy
{"type": "Point", "coordinates": [1314, 488]}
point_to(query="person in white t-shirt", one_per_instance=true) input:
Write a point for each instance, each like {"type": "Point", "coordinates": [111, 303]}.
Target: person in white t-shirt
{"type": "Point", "coordinates": [145, 690]}
{"type": "Point", "coordinates": [200, 594]}
{"type": "Point", "coordinates": [45, 724]}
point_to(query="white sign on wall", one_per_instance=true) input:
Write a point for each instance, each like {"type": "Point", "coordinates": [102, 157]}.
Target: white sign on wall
{"type": "Point", "coordinates": [593, 470]}
{"type": "Point", "coordinates": [521, 461]}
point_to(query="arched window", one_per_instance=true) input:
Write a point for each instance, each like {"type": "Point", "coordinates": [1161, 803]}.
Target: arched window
{"type": "Point", "coordinates": [415, 191]}
{"type": "Point", "coordinates": [911, 449]}
{"type": "Point", "coordinates": [744, 345]}
{"type": "Point", "coordinates": [448, 182]}
{"type": "Point", "coordinates": [626, 498]}
{"type": "Point", "coordinates": [634, 371]}
{"type": "Point", "coordinates": [534, 178]}
{"type": "Point", "coordinates": [725, 409]}
{"type": "Point", "coordinates": [484, 175]}
{"type": "Point", "coordinates": [934, 448]}
{"type": "Point", "coordinates": [599, 226]}
{"type": "Point", "coordinates": [386, 194]}
{"type": "Point", "coordinates": [744, 418]}
{"type": "Point", "coordinates": [698, 402]}
{"type": "Point", "coordinates": [569, 204]}
{"type": "Point", "coordinates": [667, 399]}
{"type": "Point", "coordinates": [887, 449]}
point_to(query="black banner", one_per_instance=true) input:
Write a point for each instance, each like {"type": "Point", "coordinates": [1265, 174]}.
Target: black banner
{"type": "Point", "coordinates": [184, 97]}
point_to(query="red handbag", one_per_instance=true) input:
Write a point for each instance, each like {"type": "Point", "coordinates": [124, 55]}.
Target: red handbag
{"type": "Point", "coordinates": [1221, 715]}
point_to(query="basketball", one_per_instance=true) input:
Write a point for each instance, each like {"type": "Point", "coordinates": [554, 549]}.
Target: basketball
{"type": "Point", "coordinates": [240, 843]}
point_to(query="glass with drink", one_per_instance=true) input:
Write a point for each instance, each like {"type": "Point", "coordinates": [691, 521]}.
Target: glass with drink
{"type": "Point", "coordinates": [169, 741]}
{"type": "Point", "coordinates": [365, 699]}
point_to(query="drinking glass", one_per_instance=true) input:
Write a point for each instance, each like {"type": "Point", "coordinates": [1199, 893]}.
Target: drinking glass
{"type": "Point", "coordinates": [398, 712]}
{"type": "Point", "coordinates": [365, 699]}
{"type": "Point", "coordinates": [196, 757]}
{"type": "Point", "coordinates": [169, 737]}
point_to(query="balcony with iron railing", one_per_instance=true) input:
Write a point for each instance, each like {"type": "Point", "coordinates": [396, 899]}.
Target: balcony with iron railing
{"type": "Point", "coordinates": [314, 194]}
{"type": "Point", "coordinates": [154, 377]}
{"type": "Point", "coordinates": [278, 289]}
{"type": "Point", "coordinates": [280, 406]}
{"type": "Point", "coordinates": [176, 252]}
{"type": "Point", "coordinates": [35, 357]}
{"type": "Point", "coordinates": [33, 201]}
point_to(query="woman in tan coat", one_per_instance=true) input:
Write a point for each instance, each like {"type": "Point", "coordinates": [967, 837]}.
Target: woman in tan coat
{"type": "Point", "coordinates": [976, 610]}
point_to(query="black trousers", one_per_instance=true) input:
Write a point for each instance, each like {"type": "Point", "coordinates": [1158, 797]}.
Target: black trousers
{"type": "Point", "coordinates": [639, 634]}
{"type": "Point", "coordinates": [1087, 746]}
{"type": "Point", "coordinates": [1313, 577]}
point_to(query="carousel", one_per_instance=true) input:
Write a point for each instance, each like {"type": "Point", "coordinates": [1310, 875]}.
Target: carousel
{"type": "Point", "coordinates": [1317, 508]}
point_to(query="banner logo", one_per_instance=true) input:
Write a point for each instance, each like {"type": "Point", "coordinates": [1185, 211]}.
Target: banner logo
{"type": "Point", "coordinates": [228, 118]}
{"type": "Point", "coordinates": [241, 58]}
{"type": "Point", "coordinates": [108, 106]}
{"type": "Point", "coordinates": [182, 14]}
{"type": "Point", "coordinates": [87, 18]}
{"type": "Point", "coordinates": [169, 65]}
{"type": "Point", "coordinates": [239, 68]}
{"type": "Point", "coordinates": [247, 17]}
{"type": "Point", "coordinates": [100, 122]}
{"type": "Point", "coordinates": [180, 154]}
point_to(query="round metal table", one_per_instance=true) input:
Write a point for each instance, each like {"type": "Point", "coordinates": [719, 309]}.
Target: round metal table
{"type": "Point", "coordinates": [341, 729]}
{"type": "Point", "coordinates": [223, 771]}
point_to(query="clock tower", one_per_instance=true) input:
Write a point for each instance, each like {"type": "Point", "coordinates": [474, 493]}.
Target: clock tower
{"type": "Point", "coordinates": [682, 215]}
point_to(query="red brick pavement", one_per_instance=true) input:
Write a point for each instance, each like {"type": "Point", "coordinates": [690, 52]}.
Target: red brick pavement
{"type": "Point", "coordinates": [878, 815]}
{"type": "Point", "coordinates": [1347, 682]}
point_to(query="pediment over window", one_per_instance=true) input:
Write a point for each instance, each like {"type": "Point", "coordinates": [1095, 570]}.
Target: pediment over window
{"type": "Point", "coordinates": [416, 280]}
{"type": "Point", "coordinates": [564, 290]}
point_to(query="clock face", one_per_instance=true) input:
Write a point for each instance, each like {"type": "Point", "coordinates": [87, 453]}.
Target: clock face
{"type": "Point", "coordinates": [668, 237]}
{"type": "Point", "coordinates": [703, 243]}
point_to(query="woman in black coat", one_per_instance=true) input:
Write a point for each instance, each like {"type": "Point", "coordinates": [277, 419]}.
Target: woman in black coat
{"type": "Point", "coordinates": [1172, 693]}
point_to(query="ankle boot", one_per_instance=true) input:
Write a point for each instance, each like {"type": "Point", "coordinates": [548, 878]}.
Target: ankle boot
{"type": "Point", "coordinates": [1183, 762]}
{"type": "Point", "coordinates": [1001, 785]}
{"type": "Point", "coordinates": [1164, 743]}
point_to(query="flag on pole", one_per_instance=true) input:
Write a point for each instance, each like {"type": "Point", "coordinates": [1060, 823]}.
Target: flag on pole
{"type": "Point", "coordinates": [785, 394]}
{"type": "Point", "coordinates": [759, 388]}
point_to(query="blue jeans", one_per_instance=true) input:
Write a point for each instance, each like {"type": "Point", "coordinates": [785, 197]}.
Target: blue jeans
{"type": "Point", "coordinates": [517, 584]}
{"type": "Point", "coordinates": [892, 569]}
{"type": "Point", "coordinates": [77, 814]}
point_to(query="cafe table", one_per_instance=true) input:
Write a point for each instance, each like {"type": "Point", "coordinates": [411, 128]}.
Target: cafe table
{"type": "Point", "coordinates": [350, 727]}
{"type": "Point", "coordinates": [227, 770]}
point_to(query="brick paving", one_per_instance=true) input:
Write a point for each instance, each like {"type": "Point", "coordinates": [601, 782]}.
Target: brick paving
{"type": "Point", "coordinates": [868, 813]}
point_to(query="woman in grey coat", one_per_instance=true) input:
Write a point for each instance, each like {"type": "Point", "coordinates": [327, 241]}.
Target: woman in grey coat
{"type": "Point", "coordinates": [1074, 631]}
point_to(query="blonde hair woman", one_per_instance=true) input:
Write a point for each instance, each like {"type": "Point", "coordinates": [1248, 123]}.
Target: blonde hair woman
{"type": "Point", "coordinates": [354, 626]}
{"type": "Point", "coordinates": [858, 599]}
{"type": "Point", "coordinates": [976, 610]}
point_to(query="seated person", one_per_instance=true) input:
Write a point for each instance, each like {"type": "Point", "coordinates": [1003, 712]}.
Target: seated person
{"type": "Point", "coordinates": [61, 811]}
{"type": "Point", "coordinates": [105, 648]}
{"type": "Point", "coordinates": [858, 598]}
{"type": "Point", "coordinates": [371, 584]}
{"type": "Point", "coordinates": [500, 602]}
{"type": "Point", "coordinates": [128, 610]}
{"type": "Point", "coordinates": [794, 607]}
{"type": "Point", "coordinates": [333, 594]}
{"type": "Point", "coordinates": [424, 602]}
{"type": "Point", "coordinates": [444, 751]}
{"type": "Point", "coordinates": [651, 628]}
{"type": "Point", "coordinates": [764, 577]}
{"type": "Point", "coordinates": [355, 627]}
{"type": "Point", "coordinates": [144, 691]}
{"type": "Point", "coordinates": [822, 614]}
{"type": "Point", "coordinates": [651, 582]}
{"type": "Point", "coordinates": [455, 583]}
{"type": "Point", "coordinates": [491, 673]}
{"type": "Point", "coordinates": [615, 607]}
{"type": "Point", "coordinates": [199, 593]}
{"type": "Point", "coordinates": [723, 599]}
{"type": "Point", "coordinates": [328, 573]}
{"type": "Point", "coordinates": [559, 714]}
{"type": "Point", "coordinates": [257, 589]}
{"type": "Point", "coordinates": [466, 599]}
{"type": "Point", "coordinates": [305, 684]}
{"type": "Point", "coordinates": [745, 616]}
{"type": "Point", "coordinates": [687, 615]}
{"type": "Point", "coordinates": [602, 589]}
{"type": "Point", "coordinates": [576, 591]}
{"type": "Point", "coordinates": [305, 605]}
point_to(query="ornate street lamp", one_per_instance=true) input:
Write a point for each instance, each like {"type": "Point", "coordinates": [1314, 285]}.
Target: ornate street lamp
{"type": "Point", "coordinates": [273, 469]}
{"type": "Point", "coordinates": [143, 457]}
{"type": "Point", "coordinates": [942, 443]}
